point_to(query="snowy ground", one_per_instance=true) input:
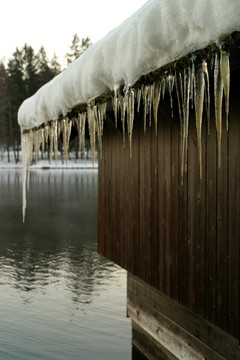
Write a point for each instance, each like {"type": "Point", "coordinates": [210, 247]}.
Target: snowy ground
{"type": "Point", "coordinates": [44, 164]}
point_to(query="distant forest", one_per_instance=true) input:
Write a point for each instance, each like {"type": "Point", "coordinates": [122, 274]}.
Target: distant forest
{"type": "Point", "coordinates": [25, 72]}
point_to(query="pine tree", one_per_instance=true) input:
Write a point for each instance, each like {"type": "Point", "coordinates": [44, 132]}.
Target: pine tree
{"type": "Point", "coordinates": [16, 93]}
{"type": "Point", "coordinates": [43, 70]}
{"type": "Point", "coordinates": [55, 66]}
{"type": "Point", "coordinates": [77, 48]}
{"type": "Point", "coordinates": [30, 70]}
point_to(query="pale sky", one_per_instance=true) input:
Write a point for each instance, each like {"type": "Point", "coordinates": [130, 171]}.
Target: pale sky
{"type": "Point", "coordinates": [52, 23]}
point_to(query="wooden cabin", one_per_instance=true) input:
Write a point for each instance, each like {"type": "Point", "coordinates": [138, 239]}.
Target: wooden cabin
{"type": "Point", "coordinates": [177, 238]}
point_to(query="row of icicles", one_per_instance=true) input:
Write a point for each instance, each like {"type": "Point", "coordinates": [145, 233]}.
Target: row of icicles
{"type": "Point", "coordinates": [192, 87]}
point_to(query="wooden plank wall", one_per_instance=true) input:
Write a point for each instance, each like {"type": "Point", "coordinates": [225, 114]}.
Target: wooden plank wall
{"type": "Point", "coordinates": [181, 239]}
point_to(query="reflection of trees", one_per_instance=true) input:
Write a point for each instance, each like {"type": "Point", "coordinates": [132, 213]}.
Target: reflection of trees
{"type": "Point", "coordinates": [57, 244]}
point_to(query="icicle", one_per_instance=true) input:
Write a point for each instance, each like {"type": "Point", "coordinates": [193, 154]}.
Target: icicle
{"type": "Point", "coordinates": [199, 86]}
{"type": "Point", "coordinates": [50, 136]}
{"type": "Point", "coordinates": [179, 90]}
{"type": "Point", "coordinates": [101, 115]}
{"type": "Point", "coordinates": [145, 103]}
{"type": "Point", "coordinates": [46, 133]}
{"type": "Point", "coordinates": [163, 85]}
{"type": "Point", "coordinates": [156, 100]}
{"type": "Point", "coordinates": [170, 81]}
{"type": "Point", "coordinates": [115, 106]}
{"type": "Point", "coordinates": [123, 111]}
{"type": "Point", "coordinates": [207, 93]}
{"type": "Point", "coordinates": [192, 81]}
{"type": "Point", "coordinates": [81, 121]}
{"type": "Point", "coordinates": [218, 96]}
{"type": "Point", "coordinates": [69, 130]}
{"type": "Point", "coordinates": [149, 103]}
{"type": "Point", "coordinates": [41, 139]}
{"type": "Point", "coordinates": [139, 95]}
{"type": "Point", "coordinates": [55, 140]}
{"type": "Point", "coordinates": [36, 145]}
{"type": "Point", "coordinates": [91, 110]}
{"type": "Point", "coordinates": [225, 74]}
{"type": "Point", "coordinates": [67, 126]}
{"type": "Point", "coordinates": [186, 94]}
{"type": "Point", "coordinates": [27, 147]}
{"type": "Point", "coordinates": [82, 130]}
{"type": "Point", "coordinates": [130, 117]}
{"type": "Point", "coordinates": [180, 97]}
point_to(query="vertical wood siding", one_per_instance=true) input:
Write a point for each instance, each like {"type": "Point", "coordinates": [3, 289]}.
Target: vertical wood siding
{"type": "Point", "coordinates": [181, 239]}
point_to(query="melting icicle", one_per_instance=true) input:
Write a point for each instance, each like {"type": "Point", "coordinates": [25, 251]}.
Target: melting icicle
{"type": "Point", "coordinates": [81, 121]}
{"type": "Point", "coordinates": [156, 100]}
{"type": "Point", "coordinates": [101, 110]}
{"type": "Point", "coordinates": [149, 103]}
{"type": "Point", "coordinates": [145, 103]}
{"type": "Point", "coordinates": [163, 85]}
{"type": "Point", "coordinates": [199, 86]}
{"type": "Point", "coordinates": [130, 117]}
{"type": "Point", "coordinates": [115, 106]}
{"type": "Point", "coordinates": [139, 95]}
{"type": "Point", "coordinates": [42, 140]}
{"type": "Point", "coordinates": [67, 126]}
{"type": "Point", "coordinates": [218, 96]}
{"type": "Point", "coordinates": [185, 111]}
{"type": "Point", "coordinates": [123, 111]}
{"type": "Point", "coordinates": [27, 146]}
{"type": "Point", "coordinates": [225, 74]}
{"type": "Point", "coordinates": [170, 81]}
{"type": "Point", "coordinates": [55, 140]}
{"type": "Point", "coordinates": [69, 129]}
{"type": "Point", "coordinates": [50, 136]}
{"type": "Point", "coordinates": [179, 90]}
{"type": "Point", "coordinates": [192, 81]}
{"type": "Point", "coordinates": [207, 93]}
{"type": "Point", "coordinates": [91, 111]}
{"type": "Point", "coordinates": [36, 145]}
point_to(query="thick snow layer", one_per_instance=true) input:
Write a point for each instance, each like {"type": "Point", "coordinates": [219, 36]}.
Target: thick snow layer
{"type": "Point", "coordinates": [158, 33]}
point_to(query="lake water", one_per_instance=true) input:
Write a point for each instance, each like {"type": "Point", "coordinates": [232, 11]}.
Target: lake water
{"type": "Point", "coordinates": [59, 299]}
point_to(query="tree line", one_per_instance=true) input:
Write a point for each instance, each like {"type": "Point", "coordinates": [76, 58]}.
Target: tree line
{"type": "Point", "coordinates": [25, 72]}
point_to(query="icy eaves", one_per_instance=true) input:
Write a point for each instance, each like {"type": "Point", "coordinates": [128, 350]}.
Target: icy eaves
{"type": "Point", "coordinates": [158, 33]}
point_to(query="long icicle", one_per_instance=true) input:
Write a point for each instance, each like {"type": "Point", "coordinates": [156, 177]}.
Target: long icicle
{"type": "Point", "coordinates": [115, 102]}
{"type": "Point", "coordinates": [145, 104]}
{"type": "Point", "coordinates": [186, 97]}
{"type": "Point", "coordinates": [91, 110]}
{"type": "Point", "coordinates": [55, 140]}
{"type": "Point", "coordinates": [207, 93]}
{"type": "Point", "coordinates": [130, 117]}
{"type": "Point", "coordinates": [199, 86]}
{"type": "Point", "coordinates": [50, 136]}
{"type": "Point", "coordinates": [225, 73]}
{"type": "Point", "coordinates": [170, 82]}
{"type": "Point", "coordinates": [123, 112]}
{"type": "Point", "coordinates": [27, 147]}
{"type": "Point", "coordinates": [65, 139]}
{"type": "Point", "coordinates": [218, 96]}
{"type": "Point", "coordinates": [156, 100]}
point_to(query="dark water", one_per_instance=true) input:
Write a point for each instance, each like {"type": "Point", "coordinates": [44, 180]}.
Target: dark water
{"type": "Point", "coordinates": [58, 298]}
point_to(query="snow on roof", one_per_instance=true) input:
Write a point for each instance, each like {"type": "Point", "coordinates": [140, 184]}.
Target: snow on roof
{"type": "Point", "coordinates": [158, 33]}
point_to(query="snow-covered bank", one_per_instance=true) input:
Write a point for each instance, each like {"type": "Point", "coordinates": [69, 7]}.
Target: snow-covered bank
{"type": "Point", "coordinates": [44, 164]}
{"type": "Point", "coordinates": [158, 33]}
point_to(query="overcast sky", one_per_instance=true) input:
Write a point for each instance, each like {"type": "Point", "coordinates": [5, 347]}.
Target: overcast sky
{"type": "Point", "coordinates": [52, 23]}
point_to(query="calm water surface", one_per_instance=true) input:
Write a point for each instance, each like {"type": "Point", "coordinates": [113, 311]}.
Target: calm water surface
{"type": "Point", "coordinates": [58, 298]}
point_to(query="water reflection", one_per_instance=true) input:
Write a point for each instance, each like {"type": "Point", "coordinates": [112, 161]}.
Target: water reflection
{"type": "Point", "coordinates": [50, 272]}
{"type": "Point", "coordinates": [58, 240]}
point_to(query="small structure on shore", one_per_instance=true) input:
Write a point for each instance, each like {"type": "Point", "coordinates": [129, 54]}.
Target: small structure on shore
{"type": "Point", "coordinates": [169, 168]}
